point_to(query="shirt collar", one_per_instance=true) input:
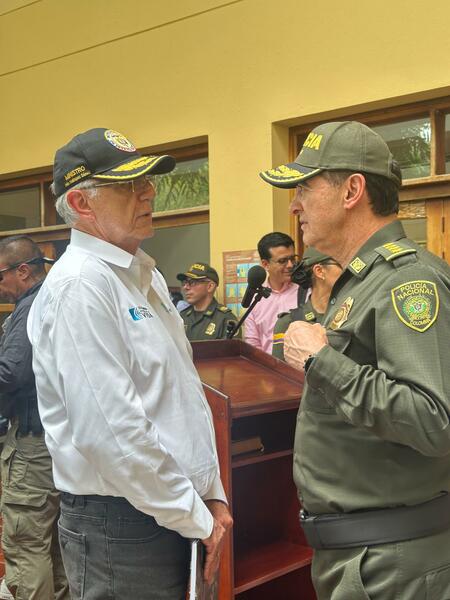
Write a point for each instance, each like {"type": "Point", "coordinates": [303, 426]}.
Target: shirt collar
{"type": "Point", "coordinates": [30, 291]}
{"type": "Point", "coordinates": [109, 252]}
{"type": "Point", "coordinates": [360, 264]}
{"type": "Point", "coordinates": [285, 287]}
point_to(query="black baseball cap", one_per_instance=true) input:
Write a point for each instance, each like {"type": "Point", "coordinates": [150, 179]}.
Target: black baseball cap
{"type": "Point", "coordinates": [341, 145]}
{"type": "Point", "coordinates": [103, 154]}
{"type": "Point", "coordinates": [199, 271]}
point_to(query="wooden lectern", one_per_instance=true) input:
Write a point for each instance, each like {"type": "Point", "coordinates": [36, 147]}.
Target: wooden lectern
{"type": "Point", "coordinates": [251, 395]}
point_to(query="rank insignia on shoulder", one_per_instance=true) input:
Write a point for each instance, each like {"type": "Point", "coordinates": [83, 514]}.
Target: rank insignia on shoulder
{"type": "Point", "coordinates": [392, 250]}
{"type": "Point", "coordinates": [416, 304]}
{"type": "Point", "coordinates": [342, 313]}
{"type": "Point", "coordinates": [357, 265]}
{"type": "Point", "coordinates": [210, 329]}
{"type": "Point", "coordinates": [310, 316]}
{"type": "Point", "coordinates": [224, 309]}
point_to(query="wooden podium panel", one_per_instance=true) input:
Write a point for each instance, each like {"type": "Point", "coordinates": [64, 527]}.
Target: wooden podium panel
{"type": "Point", "coordinates": [253, 395]}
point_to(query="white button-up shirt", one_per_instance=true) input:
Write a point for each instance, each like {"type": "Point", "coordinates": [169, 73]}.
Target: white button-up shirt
{"type": "Point", "coordinates": [119, 397]}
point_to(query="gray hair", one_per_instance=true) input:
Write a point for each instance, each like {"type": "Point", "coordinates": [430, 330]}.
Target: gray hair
{"type": "Point", "coordinates": [65, 211]}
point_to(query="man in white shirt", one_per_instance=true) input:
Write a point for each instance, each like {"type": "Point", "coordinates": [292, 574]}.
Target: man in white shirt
{"type": "Point", "coordinates": [126, 420]}
{"type": "Point", "coordinates": [277, 254]}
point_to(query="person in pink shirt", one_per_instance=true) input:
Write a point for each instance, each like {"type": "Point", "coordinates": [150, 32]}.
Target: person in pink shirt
{"type": "Point", "coordinates": [277, 254]}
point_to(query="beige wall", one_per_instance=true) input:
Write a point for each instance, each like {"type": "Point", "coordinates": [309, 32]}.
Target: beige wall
{"type": "Point", "coordinates": [238, 72]}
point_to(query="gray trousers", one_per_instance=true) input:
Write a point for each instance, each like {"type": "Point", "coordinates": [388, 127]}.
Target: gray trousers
{"type": "Point", "coordinates": [111, 551]}
{"type": "Point", "coordinates": [412, 570]}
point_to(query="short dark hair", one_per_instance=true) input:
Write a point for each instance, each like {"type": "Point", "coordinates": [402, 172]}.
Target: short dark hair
{"type": "Point", "coordinates": [382, 192]}
{"type": "Point", "coordinates": [16, 249]}
{"type": "Point", "coordinates": [273, 240]}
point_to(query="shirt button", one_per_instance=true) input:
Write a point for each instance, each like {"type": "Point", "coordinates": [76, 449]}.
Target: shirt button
{"type": "Point", "coordinates": [333, 301]}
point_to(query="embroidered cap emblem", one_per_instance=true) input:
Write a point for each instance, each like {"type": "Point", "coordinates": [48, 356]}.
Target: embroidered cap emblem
{"type": "Point", "coordinates": [119, 141]}
{"type": "Point", "coordinates": [416, 304]}
{"type": "Point", "coordinates": [342, 313]}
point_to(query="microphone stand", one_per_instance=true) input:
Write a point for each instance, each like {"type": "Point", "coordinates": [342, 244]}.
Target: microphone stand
{"type": "Point", "coordinates": [233, 328]}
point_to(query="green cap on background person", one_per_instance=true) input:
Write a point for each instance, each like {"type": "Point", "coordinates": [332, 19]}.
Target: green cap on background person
{"type": "Point", "coordinates": [311, 257]}
{"type": "Point", "coordinates": [199, 271]}
{"type": "Point", "coordinates": [346, 145]}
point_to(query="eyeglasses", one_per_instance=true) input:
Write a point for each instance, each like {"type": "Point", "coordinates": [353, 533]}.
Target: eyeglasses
{"type": "Point", "coordinates": [331, 262]}
{"type": "Point", "coordinates": [193, 282]}
{"type": "Point", "coordinates": [32, 261]}
{"type": "Point", "coordinates": [284, 261]}
{"type": "Point", "coordinates": [138, 185]}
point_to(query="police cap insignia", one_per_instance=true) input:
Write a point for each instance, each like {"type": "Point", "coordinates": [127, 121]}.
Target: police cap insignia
{"type": "Point", "coordinates": [416, 304]}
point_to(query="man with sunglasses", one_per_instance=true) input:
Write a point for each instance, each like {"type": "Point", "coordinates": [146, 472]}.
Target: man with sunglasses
{"type": "Point", "coordinates": [126, 420]}
{"type": "Point", "coordinates": [30, 502]}
{"type": "Point", "coordinates": [277, 254]}
{"type": "Point", "coordinates": [205, 318]}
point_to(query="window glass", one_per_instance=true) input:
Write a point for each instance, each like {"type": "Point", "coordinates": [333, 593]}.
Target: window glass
{"type": "Point", "coordinates": [447, 143]}
{"type": "Point", "coordinates": [409, 142]}
{"type": "Point", "coordinates": [416, 229]}
{"type": "Point", "coordinates": [20, 208]}
{"type": "Point", "coordinates": [186, 186]}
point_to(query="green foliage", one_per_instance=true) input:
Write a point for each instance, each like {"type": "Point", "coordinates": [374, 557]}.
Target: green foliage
{"type": "Point", "coordinates": [186, 187]}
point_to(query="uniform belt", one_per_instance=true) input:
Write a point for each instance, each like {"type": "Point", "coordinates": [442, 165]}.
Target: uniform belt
{"type": "Point", "coordinates": [379, 526]}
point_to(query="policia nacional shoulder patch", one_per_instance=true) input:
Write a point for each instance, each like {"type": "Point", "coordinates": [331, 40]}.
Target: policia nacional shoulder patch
{"type": "Point", "coordinates": [416, 304]}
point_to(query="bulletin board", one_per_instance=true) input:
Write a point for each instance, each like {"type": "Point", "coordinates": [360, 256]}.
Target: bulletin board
{"type": "Point", "coordinates": [235, 270]}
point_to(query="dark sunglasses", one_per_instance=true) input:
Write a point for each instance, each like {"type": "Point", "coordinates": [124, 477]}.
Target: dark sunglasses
{"type": "Point", "coordinates": [32, 261]}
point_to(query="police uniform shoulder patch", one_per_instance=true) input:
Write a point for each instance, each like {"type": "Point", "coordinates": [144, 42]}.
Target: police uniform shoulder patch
{"type": "Point", "coordinates": [310, 316]}
{"type": "Point", "coordinates": [224, 309]}
{"type": "Point", "coordinates": [392, 250]}
{"type": "Point", "coordinates": [210, 329]}
{"type": "Point", "coordinates": [416, 303]}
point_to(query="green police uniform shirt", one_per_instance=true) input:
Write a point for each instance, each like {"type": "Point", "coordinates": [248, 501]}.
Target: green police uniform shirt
{"type": "Point", "coordinates": [210, 324]}
{"type": "Point", "coordinates": [373, 428]}
{"type": "Point", "coordinates": [304, 312]}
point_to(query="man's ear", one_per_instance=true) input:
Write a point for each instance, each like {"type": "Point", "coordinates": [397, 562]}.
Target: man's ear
{"type": "Point", "coordinates": [24, 272]}
{"type": "Point", "coordinates": [265, 263]}
{"type": "Point", "coordinates": [354, 190]}
{"type": "Point", "coordinates": [79, 202]}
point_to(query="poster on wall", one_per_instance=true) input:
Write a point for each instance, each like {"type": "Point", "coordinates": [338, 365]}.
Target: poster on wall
{"type": "Point", "coordinates": [235, 270]}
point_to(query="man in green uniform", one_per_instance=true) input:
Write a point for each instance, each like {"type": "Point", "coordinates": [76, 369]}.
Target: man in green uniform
{"type": "Point", "coordinates": [205, 319]}
{"type": "Point", "coordinates": [372, 447]}
{"type": "Point", "coordinates": [315, 275]}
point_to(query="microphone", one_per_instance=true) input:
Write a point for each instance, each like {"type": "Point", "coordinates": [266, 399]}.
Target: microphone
{"type": "Point", "coordinates": [255, 278]}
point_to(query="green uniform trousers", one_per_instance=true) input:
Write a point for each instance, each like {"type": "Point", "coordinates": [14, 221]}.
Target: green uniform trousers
{"type": "Point", "coordinates": [30, 510]}
{"type": "Point", "coordinates": [413, 570]}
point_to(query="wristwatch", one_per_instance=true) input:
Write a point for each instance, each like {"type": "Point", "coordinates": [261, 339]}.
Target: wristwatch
{"type": "Point", "coordinates": [308, 362]}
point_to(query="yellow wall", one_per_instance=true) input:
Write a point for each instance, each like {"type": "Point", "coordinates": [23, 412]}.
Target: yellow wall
{"type": "Point", "coordinates": [168, 70]}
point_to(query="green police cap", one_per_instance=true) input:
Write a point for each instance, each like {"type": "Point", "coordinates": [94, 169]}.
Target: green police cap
{"type": "Point", "coordinates": [346, 145]}
{"type": "Point", "coordinates": [199, 271]}
{"type": "Point", "coordinates": [311, 257]}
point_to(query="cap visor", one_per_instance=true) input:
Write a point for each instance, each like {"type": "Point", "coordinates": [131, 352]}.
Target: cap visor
{"type": "Point", "coordinates": [139, 166]}
{"type": "Point", "coordinates": [288, 176]}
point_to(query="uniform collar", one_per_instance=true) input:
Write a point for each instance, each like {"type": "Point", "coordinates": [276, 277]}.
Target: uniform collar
{"type": "Point", "coordinates": [108, 252]}
{"type": "Point", "coordinates": [360, 264]}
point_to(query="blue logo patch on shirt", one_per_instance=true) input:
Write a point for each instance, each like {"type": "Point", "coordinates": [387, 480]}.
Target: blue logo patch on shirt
{"type": "Point", "coordinates": [140, 312]}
